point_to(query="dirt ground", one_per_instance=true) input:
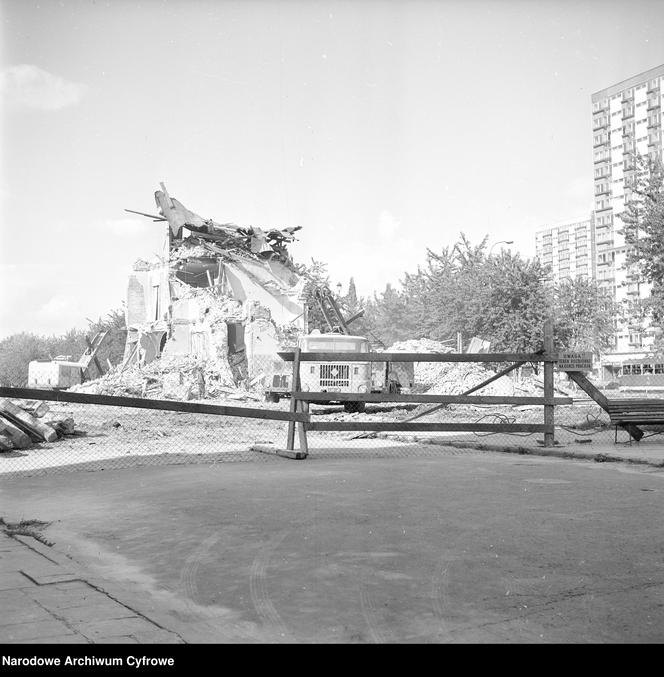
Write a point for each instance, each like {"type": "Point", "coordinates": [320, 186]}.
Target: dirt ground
{"type": "Point", "coordinates": [118, 437]}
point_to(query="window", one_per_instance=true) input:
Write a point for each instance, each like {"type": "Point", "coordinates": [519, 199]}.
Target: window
{"type": "Point", "coordinates": [636, 370]}
{"type": "Point", "coordinates": [627, 370]}
{"type": "Point", "coordinates": [659, 368]}
{"type": "Point", "coordinates": [647, 368]}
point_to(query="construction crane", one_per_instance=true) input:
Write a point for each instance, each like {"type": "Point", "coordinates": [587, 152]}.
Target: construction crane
{"type": "Point", "coordinates": [332, 313]}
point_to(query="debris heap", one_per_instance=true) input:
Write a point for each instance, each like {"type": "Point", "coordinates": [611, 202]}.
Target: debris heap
{"type": "Point", "coordinates": [24, 422]}
{"type": "Point", "coordinates": [208, 317]}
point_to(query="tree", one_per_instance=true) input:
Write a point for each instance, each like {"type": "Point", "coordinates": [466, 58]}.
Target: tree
{"type": "Point", "coordinates": [18, 350]}
{"type": "Point", "coordinates": [502, 298]}
{"type": "Point", "coordinates": [583, 316]}
{"type": "Point", "coordinates": [643, 230]}
{"type": "Point", "coordinates": [316, 276]}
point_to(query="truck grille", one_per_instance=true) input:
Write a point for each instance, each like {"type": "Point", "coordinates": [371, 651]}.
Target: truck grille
{"type": "Point", "coordinates": [334, 375]}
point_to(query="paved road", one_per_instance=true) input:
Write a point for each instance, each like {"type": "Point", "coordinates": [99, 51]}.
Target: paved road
{"type": "Point", "coordinates": [464, 547]}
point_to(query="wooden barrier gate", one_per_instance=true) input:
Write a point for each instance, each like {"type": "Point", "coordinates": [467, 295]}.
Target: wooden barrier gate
{"type": "Point", "coordinates": [300, 400]}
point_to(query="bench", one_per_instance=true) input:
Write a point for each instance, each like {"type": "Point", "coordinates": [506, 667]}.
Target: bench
{"type": "Point", "coordinates": [629, 414]}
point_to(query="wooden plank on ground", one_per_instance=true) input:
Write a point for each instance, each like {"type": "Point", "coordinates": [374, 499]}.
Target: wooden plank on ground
{"type": "Point", "coordinates": [19, 438]}
{"type": "Point", "coordinates": [288, 356]}
{"type": "Point", "coordinates": [141, 403]}
{"type": "Point", "coordinates": [285, 453]}
{"type": "Point", "coordinates": [34, 407]}
{"type": "Point", "coordinates": [443, 399]}
{"type": "Point", "coordinates": [17, 415]}
{"type": "Point", "coordinates": [397, 426]}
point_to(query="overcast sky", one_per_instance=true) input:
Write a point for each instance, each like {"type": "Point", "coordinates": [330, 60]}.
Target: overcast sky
{"type": "Point", "coordinates": [382, 127]}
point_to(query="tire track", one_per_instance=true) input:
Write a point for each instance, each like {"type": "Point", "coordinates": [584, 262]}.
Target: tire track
{"type": "Point", "coordinates": [189, 574]}
{"type": "Point", "coordinates": [438, 584]}
{"type": "Point", "coordinates": [258, 588]}
{"type": "Point", "coordinates": [370, 613]}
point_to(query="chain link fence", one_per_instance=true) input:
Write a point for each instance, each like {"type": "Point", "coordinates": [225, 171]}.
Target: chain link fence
{"type": "Point", "coordinates": [104, 437]}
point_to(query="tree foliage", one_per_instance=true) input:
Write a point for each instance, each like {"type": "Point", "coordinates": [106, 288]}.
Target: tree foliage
{"type": "Point", "coordinates": [502, 298]}
{"type": "Point", "coordinates": [643, 229]}
{"type": "Point", "coordinates": [18, 350]}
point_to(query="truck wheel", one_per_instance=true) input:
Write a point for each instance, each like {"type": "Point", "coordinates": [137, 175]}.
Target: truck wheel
{"type": "Point", "coordinates": [354, 407]}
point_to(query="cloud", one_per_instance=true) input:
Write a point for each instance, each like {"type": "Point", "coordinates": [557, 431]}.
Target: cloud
{"type": "Point", "coordinates": [28, 86]}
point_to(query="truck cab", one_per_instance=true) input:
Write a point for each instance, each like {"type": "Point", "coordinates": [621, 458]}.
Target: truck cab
{"type": "Point", "coordinates": [337, 376]}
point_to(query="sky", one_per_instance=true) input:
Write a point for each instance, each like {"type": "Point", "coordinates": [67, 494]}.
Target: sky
{"type": "Point", "coordinates": [382, 127]}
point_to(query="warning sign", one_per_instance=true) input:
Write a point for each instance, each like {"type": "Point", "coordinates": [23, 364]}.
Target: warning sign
{"type": "Point", "coordinates": [571, 361]}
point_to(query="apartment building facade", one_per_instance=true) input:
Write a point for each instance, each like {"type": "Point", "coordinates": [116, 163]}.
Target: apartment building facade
{"type": "Point", "coordinates": [569, 249]}
{"type": "Point", "coordinates": [626, 120]}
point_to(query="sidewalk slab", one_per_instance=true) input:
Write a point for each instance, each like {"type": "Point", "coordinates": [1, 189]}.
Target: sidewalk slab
{"type": "Point", "coordinates": [45, 597]}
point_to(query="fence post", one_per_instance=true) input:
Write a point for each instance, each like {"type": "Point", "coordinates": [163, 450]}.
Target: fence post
{"type": "Point", "coordinates": [295, 387]}
{"type": "Point", "coordinates": [548, 385]}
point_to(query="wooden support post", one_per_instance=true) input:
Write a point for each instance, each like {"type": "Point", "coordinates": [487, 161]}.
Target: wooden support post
{"type": "Point", "coordinates": [93, 357]}
{"type": "Point", "coordinates": [549, 440]}
{"type": "Point", "coordinates": [302, 429]}
{"type": "Point", "coordinates": [295, 385]}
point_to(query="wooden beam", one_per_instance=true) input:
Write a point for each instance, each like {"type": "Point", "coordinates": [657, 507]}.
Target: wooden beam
{"type": "Point", "coordinates": [423, 398]}
{"type": "Point", "coordinates": [590, 389]}
{"type": "Point", "coordinates": [287, 356]}
{"type": "Point", "coordinates": [26, 421]}
{"type": "Point", "coordinates": [34, 407]}
{"type": "Point", "coordinates": [141, 403]}
{"type": "Point", "coordinates": [479, 386]}
{"type": "Point", "coordinates": [549, 433]}
{"type": "Point", "coordinates": [290, 438]}
{"type": "Point", "coordinates": [400, 426]}
{"type": "Point", "coordinates": [93, 357]}
{"type": "Point", "coordinates": [20, 439]}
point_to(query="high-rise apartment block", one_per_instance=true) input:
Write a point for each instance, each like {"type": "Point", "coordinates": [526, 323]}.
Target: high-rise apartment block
{"type": "Point", "coordinates": [569, 249]}
{"type": "Point", "coordinates": [626, 120]}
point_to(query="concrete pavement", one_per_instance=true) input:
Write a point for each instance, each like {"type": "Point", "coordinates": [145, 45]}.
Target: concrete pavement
{"type": "Point", "coordinates": [461, 546]}
{"type": "Point", "coordinates": [648, 453]}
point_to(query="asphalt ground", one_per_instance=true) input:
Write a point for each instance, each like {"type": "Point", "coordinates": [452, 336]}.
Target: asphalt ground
{"type": "Point", "coordinates": [464, 546]}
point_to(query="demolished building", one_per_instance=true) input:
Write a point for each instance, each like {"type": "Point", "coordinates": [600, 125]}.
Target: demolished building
{"type": "Point", "coordinates": [227, 296]}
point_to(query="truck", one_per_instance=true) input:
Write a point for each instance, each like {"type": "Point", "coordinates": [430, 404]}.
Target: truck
{"type": "Point", "coordinates": [339, 376]}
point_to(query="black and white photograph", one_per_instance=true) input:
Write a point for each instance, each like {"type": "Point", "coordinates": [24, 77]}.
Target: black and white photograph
{"type": "Point", "coordinates": [329, 322]}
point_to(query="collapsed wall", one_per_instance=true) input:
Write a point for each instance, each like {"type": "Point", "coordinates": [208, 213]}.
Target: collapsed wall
{"type": "Point", "coordinates": [210, 316]}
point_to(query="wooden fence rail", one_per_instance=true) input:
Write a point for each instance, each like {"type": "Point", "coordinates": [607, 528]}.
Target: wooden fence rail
{"type": "Point", "coordinates": [142, 403]}
{"type": "Point", "coordinates": [300, 400]}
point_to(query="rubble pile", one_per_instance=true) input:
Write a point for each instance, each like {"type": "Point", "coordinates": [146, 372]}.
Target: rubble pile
{"type": "Point", "coordinates": [454, 378]}
{"type": "Point", "coordinates": [425, 372]}
{"type": "Point", "coordinates": [25, 422]}
{"type": "Point", "coordinates": [169, 378]}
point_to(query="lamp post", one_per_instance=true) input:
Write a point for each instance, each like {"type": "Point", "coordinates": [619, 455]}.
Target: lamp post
{"type": "Point", "coordinates": [497, 243]}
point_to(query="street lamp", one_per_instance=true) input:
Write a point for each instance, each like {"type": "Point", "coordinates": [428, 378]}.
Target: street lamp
{"type": "Point", "coordinates": [497, 243]}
